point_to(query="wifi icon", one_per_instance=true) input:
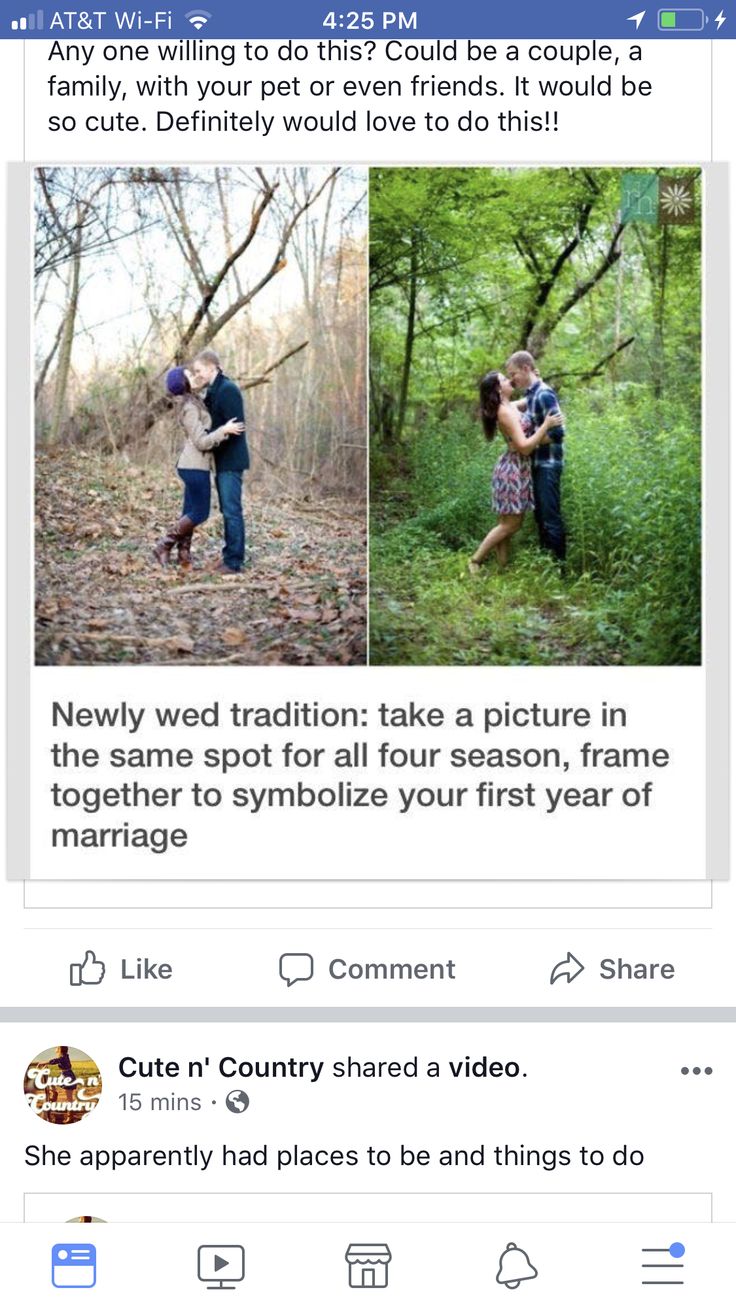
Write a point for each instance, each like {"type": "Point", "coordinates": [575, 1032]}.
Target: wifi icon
{"type": "Point", "coordinates": [198, 17]}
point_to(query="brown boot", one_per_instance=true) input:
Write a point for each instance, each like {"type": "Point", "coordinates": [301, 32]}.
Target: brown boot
{"type": "Point", "coordinates": [184, 550]}
{"type": "Point", "coordinates": [162, 549]}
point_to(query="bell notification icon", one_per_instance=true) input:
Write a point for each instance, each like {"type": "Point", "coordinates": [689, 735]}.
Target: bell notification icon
{"type": "Point", "coordinates": [514, 1267]}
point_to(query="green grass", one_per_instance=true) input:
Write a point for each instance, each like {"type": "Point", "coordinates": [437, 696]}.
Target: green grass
{"type": "Point", "coordinates": [631, 589]}
{"type": "Point", "coordinates": [427, 609]}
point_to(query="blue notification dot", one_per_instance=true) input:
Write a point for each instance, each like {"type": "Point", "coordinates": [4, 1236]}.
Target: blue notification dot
{"type": "Point", "coordinates": [677, 1250]}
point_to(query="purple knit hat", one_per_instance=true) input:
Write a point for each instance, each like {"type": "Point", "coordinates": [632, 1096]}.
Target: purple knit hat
{"type": "Point", "coordinates": [176, 381]}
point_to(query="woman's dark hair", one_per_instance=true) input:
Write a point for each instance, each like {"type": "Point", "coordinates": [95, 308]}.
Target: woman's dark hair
{"type": "Point", "coordinates": [490, 401]}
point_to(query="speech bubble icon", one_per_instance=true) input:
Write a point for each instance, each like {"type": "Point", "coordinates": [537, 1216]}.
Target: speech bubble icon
{"type": "Point", "coordinates": [296, 968]}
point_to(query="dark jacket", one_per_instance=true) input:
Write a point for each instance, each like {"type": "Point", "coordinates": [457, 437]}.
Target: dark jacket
{"type": "Point", "coordinates": [224, 401]}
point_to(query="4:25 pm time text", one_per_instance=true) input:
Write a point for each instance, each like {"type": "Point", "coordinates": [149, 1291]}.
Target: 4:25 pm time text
{"type": "Point", "coordinates": [367, 19]}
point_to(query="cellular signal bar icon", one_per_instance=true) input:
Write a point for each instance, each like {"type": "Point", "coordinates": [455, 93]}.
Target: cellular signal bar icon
{"type": "Point", "coordinates": [31, 23]}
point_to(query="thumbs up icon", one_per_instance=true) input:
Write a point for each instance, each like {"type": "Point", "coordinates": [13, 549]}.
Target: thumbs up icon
{"type": "Point", "coordinates": [88, 973]}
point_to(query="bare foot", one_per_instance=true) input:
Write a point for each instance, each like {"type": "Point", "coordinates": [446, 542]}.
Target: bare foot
{"type": "Point", "coordinates": [473, 567]}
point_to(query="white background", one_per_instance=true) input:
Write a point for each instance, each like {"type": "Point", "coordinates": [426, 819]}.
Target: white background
{"type": "Point", "coordinates": [594, 129]}
{"type": "Point", "coordinates": [675, 124]}
{"type": "Point", "coordinates": [665, 841]}
{"type": "Point", "coordinates": [616, 1080]}
{"type": "Point", "coordinates": [431, 1266]}
{"type": "Point", "coordinates": [667, 705]}
{"type": "Point", "coordinates": [600, 1086]}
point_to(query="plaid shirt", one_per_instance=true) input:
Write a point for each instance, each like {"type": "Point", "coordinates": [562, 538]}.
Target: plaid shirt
{"type": "Point", "coordinates": [540, 401]}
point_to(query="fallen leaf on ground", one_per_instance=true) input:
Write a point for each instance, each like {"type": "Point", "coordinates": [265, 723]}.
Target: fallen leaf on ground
{"type": "Point", "coordinates": [94, 575]}
{"type": "Point", "coordinates": [233, 636]}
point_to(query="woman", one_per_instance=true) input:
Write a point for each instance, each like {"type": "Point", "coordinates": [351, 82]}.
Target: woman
{"type": "Point", "coordinates": [512, 486]}
{"type": "Point", "coordinates": [194, 466]}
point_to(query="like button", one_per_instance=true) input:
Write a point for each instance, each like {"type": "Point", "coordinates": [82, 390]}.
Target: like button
{"type": "Point", "coordinates": [89, 973]}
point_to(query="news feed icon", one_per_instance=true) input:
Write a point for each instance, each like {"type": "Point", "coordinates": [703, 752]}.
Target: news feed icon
{"type": "Point", "coordinates": [31, 23]}
{"type": "Point", "coordinates": [74, 1267]}
{"type": "Point", "coordinates": [220, 1266]}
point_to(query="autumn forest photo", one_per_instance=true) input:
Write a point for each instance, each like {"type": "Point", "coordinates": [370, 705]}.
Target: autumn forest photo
{"type": "Point", "coordinates": [173, 526]}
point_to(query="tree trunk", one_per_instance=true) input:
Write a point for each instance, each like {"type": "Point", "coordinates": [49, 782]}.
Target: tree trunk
{"type": "Point", "coordinates": [660, 306]}
{"type": "Point", "coordinates": [618, 315]}
{"type": "Point", "coordinates": [408, 339]}
{"type": "Point", "coordinates": [67, 339]}
{"type": "Point", "coordinates": [43, 371]}
{"type": "Point", "coordinates": [543, 330]}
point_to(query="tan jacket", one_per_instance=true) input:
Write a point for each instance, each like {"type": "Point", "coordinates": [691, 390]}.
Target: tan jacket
{"type": "Point", "coordinates": [195, 421]}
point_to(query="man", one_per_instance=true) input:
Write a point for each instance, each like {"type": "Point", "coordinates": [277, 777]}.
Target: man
{"type": "Point", "coordinates": [224, 401]}
{"type": "Point", "coordinates": [547, 459]}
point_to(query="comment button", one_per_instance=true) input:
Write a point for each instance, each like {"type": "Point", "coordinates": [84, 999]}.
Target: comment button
{"type": "Point", "coordinates": [296, 968]}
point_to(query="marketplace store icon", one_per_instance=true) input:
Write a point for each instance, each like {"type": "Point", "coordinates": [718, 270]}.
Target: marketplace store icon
{"type": "Point", "coordinates": [657, 198]}
{"type": "Point", "coordinates": [368, 1266]}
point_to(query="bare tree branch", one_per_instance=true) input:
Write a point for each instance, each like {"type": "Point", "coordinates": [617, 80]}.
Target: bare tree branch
{"type": "Point", "coordinates": [612, 255]}
{"type": "Point", "coordinates": [278, 262]}
{"type": "Point", "coordinates": [598, 368]}
{"type": "Point", "coordinates": [264, 376]}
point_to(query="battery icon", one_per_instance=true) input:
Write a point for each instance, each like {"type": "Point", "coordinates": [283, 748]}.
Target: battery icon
{"type": "Point", "coordinates": [681, 20]}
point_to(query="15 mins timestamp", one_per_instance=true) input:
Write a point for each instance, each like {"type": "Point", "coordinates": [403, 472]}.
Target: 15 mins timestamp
{"type": "Point", "coordinates": [365, 20]}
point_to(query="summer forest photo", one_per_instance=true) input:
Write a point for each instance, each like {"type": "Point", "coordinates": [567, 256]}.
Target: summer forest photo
{"type": "Point", "coordinates": [595, 275]}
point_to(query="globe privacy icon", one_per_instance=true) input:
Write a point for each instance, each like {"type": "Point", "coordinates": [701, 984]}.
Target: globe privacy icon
{"type": "Point", "coordinates": [237, 1101]}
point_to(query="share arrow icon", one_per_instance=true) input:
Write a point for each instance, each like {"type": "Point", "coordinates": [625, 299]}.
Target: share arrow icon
{"type": "Point", "coordinates": [569, 968]}
{"type": "Point", "coordinates": [637, 18]}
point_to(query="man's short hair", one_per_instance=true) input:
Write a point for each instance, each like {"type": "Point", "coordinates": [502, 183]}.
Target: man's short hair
{"type": "Point", "coordinates": [522, 359]}
{"type": "Point", "coordinates": [209, 357]}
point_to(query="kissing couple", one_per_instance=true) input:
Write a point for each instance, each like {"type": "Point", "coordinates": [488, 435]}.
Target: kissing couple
{"type": "Point", "coordinates": [528, 474]}
{"type": "Point", "coordinates": [211, 415]}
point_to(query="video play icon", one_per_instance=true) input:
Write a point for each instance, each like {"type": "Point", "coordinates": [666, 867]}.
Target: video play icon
{"type": "Point", "coordinates": [221, 1266]}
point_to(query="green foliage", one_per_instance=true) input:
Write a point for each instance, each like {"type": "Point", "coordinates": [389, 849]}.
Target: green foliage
{"type": "Point", "coordinates": [492, 279]}
{"type": "Point", "coordinates": [631, 590]}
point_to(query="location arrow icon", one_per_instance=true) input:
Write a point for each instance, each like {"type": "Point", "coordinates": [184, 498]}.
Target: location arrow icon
{"type": "Point", "coordinates": [637, 18]}
{"type": "Point", "coordinates": [569, 968]}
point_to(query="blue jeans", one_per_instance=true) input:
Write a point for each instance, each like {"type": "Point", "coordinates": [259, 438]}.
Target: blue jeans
{"type": "Point", "coordinates": [230, 494]}
{"type": "Point", "coordinates": [196, 494]}
{"type": "Point", "coordinates": [547, 478]}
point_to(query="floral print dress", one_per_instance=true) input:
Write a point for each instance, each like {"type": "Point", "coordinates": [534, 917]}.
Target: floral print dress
{"type": "Point", "coordinates": [511, 487]}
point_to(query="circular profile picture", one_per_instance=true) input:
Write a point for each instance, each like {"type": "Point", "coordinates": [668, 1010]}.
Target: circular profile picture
{"type": "Point", "coordinates": [86, 1218]}
{"type": "Point", "coordinates": [63, 1085]}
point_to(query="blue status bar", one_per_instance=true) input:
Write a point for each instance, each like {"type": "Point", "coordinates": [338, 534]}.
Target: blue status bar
{"type": "Point", "coordinates": [545, 20]}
